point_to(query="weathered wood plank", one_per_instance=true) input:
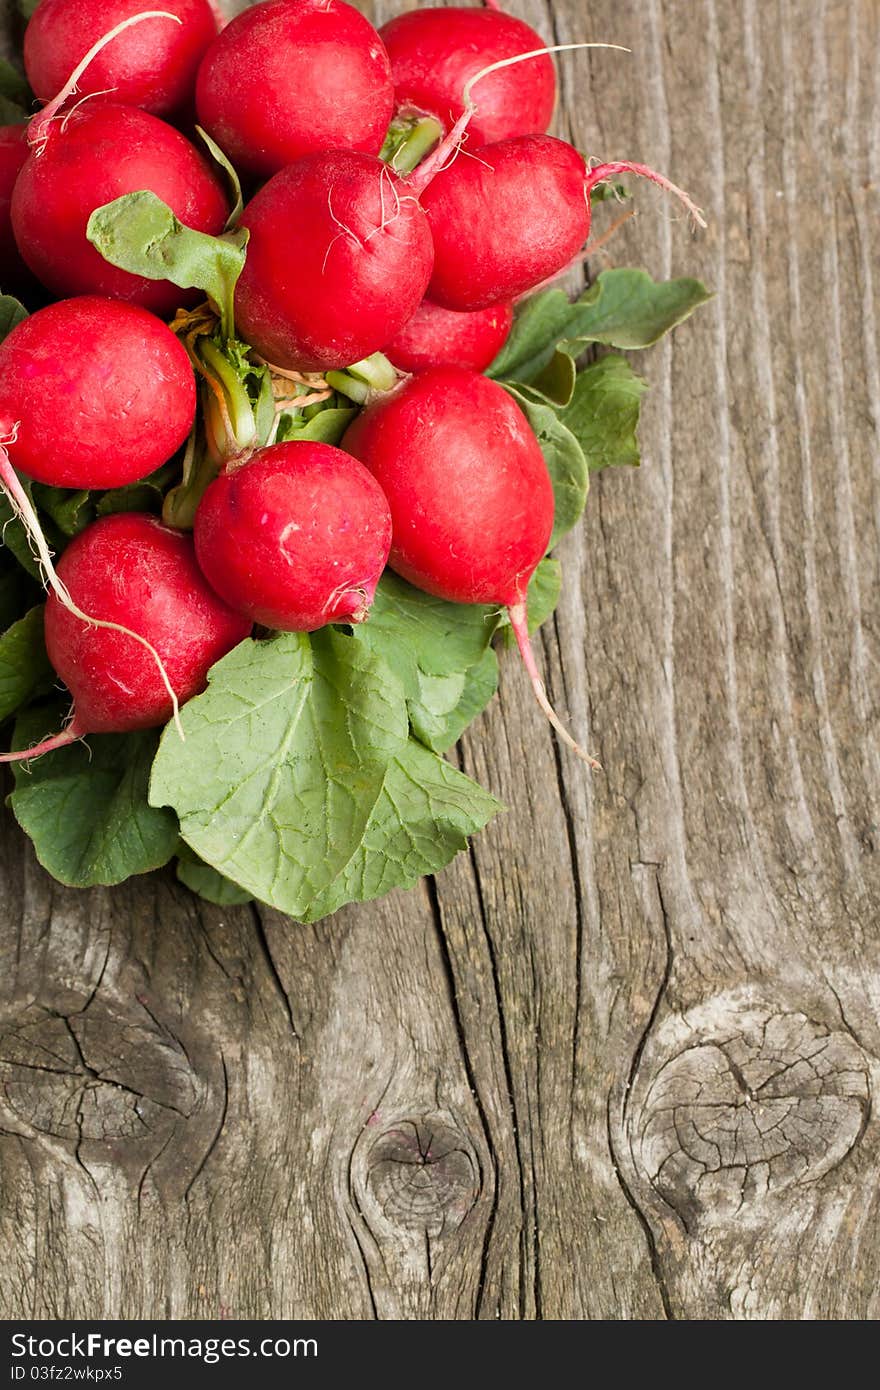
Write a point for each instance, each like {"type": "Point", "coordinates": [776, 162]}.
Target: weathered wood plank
{"type": "Point", "coordinates": [619, 1061]}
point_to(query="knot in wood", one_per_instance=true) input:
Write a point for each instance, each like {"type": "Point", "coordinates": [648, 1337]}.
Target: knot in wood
{"type": "Point", "coordinates": [422, 1175]}
{"type": "Point", "coordinates": [759, 1102]}
{"type": "Point", "coordinates": [101, 1078]}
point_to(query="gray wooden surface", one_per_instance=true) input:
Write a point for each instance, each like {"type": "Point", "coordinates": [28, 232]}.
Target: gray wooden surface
{"type": "Point", "coordinates": [618, 1062]}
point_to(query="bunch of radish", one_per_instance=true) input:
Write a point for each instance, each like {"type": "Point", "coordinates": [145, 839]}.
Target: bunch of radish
{"type": "Point", "coordinates": [401, 198]}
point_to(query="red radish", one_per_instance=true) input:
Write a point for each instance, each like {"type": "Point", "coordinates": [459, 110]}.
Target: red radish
{"type": "Point", "coordinates": [97, 393]}
{"type": "Point", "coordinates": [435, 337]}
{"type": "Point", "coordinates": [295, 537]}
{"type": "Point", "coordinates": [512, 215]}
{"type": "Point", "coordinates": [470, 496]}
{"type": "Point", "coordinates": [293, 77]}
{"type": "Point", "coordinates": [435, 52]}
{"type": "Point", "coordinates": [130, 569]}
{"type": "Point", "coordinates": [339, 258]}
{"type": "Point", "coordinates": [152, 65]}
{"type": "Point", "coordinates": [13, 153]}
{"type": "Point", "coordinates": [96, 154]}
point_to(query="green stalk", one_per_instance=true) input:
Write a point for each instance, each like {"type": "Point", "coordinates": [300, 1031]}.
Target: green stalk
{"type": "Point", "coordinates": [241, 412]}
{"type": "Point", "coordinates": [408, 140]}
{"type": "Point", "coordinates": [359, 381]}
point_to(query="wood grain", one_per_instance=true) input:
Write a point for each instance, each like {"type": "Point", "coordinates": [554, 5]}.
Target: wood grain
{"type": "Point", "coordinates": [619, 1061]}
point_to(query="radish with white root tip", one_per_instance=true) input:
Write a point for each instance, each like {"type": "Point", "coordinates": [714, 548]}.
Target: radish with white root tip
{"type": "Point", "coordinates": [507, 216]}
{"type": "Point", "coordinates": [131, 568]}
{"type": "Point", "coordinates": [435, 52]}
{"type": "Point", "coordinates": [126, 385]}
{"type": "Point", "coordinates": [97, 393]}
{"type": "Point", "coordinates": [87, 155]}
{"type": "Point", "coordinates": [470, 496]}
{"type": "Point", "coordinates": [152, 64]}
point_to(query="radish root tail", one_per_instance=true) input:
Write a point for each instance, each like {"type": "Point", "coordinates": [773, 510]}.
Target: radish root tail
{"type": "Point", "coordinates": [72, 734]}
{"type": "Point", "coordinates": [38, 129]}
{"type": "Point", "coordinates": [520, 625]}
{"type": "Point", "coordinates": [451, 142]}
{"type": "Point", "coordinates": [602, 172]}
{"type": "Point", "coordinates": [24, 510]}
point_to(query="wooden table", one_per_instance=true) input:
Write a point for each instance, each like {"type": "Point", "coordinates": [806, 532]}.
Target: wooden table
{"type": "Point", "coordinates": [618, 1062]}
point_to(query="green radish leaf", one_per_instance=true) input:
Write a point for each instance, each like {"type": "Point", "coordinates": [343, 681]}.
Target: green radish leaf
{"type": "Point", "coordinates": [542, 597]}
{"type": "Point", "coordinates": [136, 497]}
{"type": "Point", "coordinates": [85, 808]}
{"type": "Point", "coordinates": [14, 87]}
{"type": "Point", "coordinates": [68, 505]}
{"type": "Point", "coordinates": [145, 496]}
{"type": "Point", "coordinates": [554, 384]}
{"type": "Point", "coordinates": [12, 313]}
{"type": "Point", "coordinates": [609, 193]}
{"type": "Point", "coordinates": [565, 460]}
{"type": "Point", "coordinates": [433, 647]}
{"type": "Point", "coordinates": [139, 233]}
{"type": "Point", "coordinates": [70, 511]}
{"type": "Point", "coordinates": [446, 705]}
{"type": "Point", "coordinates": [604, 412]}
{"type": "Point", "coordinates": [232, 178]}
{"type": "Point", "coordinates": [421, 819]}
{"type": "Point", "coordinates": [26, 7]}
{"type": "Point", "coordinates": [627, 309]}
{"type": "Point", "coordinates": [10, 112]}
{"type": "Point", "coordinates": [24, 665]}
{"type": "Point", "coordinates": [15, 537]}
{"type": "Point", "coordinates": [284, 761]}
{"type": "Point", "coordinates": [542, 321]}
{"type": "Point", "coordinates": [414, 631]}
{"type": "Point", "coordinates": [623, 309]}
{"type": "Point", "coordinates": [204, 881]}
{"type": "Point", "coordinates": [325, 426]}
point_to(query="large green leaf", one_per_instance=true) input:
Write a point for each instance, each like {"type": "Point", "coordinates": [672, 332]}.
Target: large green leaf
{"type": "Point", "coordinates": [85, 808]}
{"type": "Point", "coordinates": [324, 427]}
{"type": "Point", "coordinates": [446, 705]}
{"type": "Point", "coordinates": [70, 511]}
{"type": "Point", "coordinates": [284, 760]}
{"type": "Point", "coordinates": [627, 309]}
{"type": "Point", "coordinates": [565, 461]}
{"type": "Point", "coordinates": [204, 881]}
{"type": "Point", "coordinates": [604, 412]}
{"type": "Point", "coordinates": [24, 665]}
{"type": "Point", "coordinates": [623, 309]}
{"type": "Point", "coordinates": [14, 86]}
{"type": "Point", "coordinates": [439, 652]}
{"type": "Point", "coordinates": [420, 821]}
{"type": "Point", "coordinates": [139, 233]}
{"type": "Point", "coordinates": [12, 313]}
{"type": "Point", "coordinates": [14, 537]}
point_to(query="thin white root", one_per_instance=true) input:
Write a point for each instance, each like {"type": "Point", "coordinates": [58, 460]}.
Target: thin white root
{"type": "Point", "coordinates": [520, 625]}
{"type": "Point", "coordinates": [601, 172]}
{"type": "Point", "coordinates": [38, 130]}
{"type": "Point", "coordinates": [532, 53]}
{"type": "Point", "coordinates": [24, 510]}
{"type": "Point", "coordinates": [449, 145]}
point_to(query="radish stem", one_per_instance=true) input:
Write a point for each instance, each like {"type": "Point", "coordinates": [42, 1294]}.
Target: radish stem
{"type": "Point", "coordinates": [520, 625]}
